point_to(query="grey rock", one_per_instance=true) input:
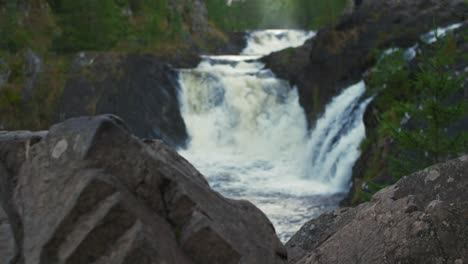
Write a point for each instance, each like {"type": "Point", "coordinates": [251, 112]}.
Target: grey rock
{"type": "Point", "coordinates": [33, 68]}
{"type": "Point", "coordinates": [90, 192]}
{"type": "Point", "coordinates": [141, 89]}
{"type": "Point", "coordinates": [421, 219]}
{"type": "Point", "coordinates": [14, 151]}
{"type": "Point", "coordinates": [4, 72]}
{"type": "Point", "coordinates": [7, 240]}
{"type": "Point", "coordinates": [82, 59]}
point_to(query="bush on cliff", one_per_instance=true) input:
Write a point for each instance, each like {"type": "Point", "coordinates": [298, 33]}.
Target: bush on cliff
{"type": "Point", "coordinates": [419, 114]}
{"type": "Point", "coordinates": [429, 136]}
{"type": "Point", "coordinates": [88, 25]}
{"type": "Point", "coordinates": [12, 34]}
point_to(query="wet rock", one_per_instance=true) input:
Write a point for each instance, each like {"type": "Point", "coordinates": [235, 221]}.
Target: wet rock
{"type": "Point", "coordinates": [421, 219]}
{"type": "Point", "coordinates": [90, 192]}
{"type": "Point", "coordinates": [338, 57]}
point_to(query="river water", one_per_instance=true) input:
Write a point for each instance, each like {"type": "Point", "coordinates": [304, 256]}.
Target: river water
{"type": "Point", "coordinates": [249, 135]}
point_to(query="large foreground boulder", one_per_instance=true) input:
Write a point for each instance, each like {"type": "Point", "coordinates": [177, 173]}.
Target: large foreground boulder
{"type": "Point", "coordinates": [87, 191]}
{"type": "Point", "coordinates": [422, 219]}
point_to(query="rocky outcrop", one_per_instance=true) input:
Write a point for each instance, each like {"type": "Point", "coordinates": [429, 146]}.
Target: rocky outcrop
{"type": "Point", "coordinates": [4, 72]}
{"type": "Point", "coordinates": [87, 191]}
{"type": "Point", "coordinates": [7, 242]}
{"type": "Point", "coordinates": [33, 69]}
{"type": "Point", "coordinates": [338, 57]}
{"type": "Point", "coordinates": [141, 89]}
{"type": "Point", "coordinates": [421, 219]}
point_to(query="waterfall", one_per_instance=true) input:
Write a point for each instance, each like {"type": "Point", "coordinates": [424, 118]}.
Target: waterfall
{"type": "Point", "coordinates": [333, 144]}
{"type": "Point", "coordinates": [249, 136]}
{"type": "Point", "coordinates": [264, 42]}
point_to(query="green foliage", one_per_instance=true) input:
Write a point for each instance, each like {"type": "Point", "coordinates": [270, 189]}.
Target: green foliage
{"type": "Point", "coordinates": [428, 95]}
{"type": "Point", "coordinates": [10, 92]}
{"type": "Point", "coordinates": [430, 138]}
{"type": "Point", "coordinates": [239, 16]}
{"type": "Point", "coordinates": [320, 13]}
{"type": "Point", "coordinates": [253, 14]}
{"type": "Point", "coordinates": [390, 80]}
{"type": "Point", "coordinates": [88, 24]}
{"type": "Point", "coordinates": [9, 98]}
{"type": "Point", "coordinates": [105, 24]}
{"type": "Point", "coordinates": [160, 22]}
{"type": "Point", "coordinates": [12, 34]}
{"type": "Point", "coordinates": [37, 111]}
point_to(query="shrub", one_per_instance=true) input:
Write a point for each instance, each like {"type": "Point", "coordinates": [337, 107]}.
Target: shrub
{"type": "Point", "coordinates": [88, 24]}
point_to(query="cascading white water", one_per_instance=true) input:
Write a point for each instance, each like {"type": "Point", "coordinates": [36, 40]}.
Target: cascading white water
{"type": "Point", "coordinates": [264, 42]}
{"type": "Point", "coordinates": [249, 137]}
{"type": "Point", "coordinates": [332, 148]}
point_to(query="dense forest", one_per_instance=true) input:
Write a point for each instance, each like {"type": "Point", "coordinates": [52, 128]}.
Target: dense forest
{"type": "Point", "coordinates": [64, 25]}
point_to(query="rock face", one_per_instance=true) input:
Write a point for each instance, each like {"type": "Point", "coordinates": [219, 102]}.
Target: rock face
{"type": "Point", "coordinates": [142, 89]}
{"type": "Point", "coordinates": [421, 219]}
{"type": "Point", "coordinates": [32, 71]}
{"type": "Point", "coordinates": [88, 191]}
{"type": "Point", "coordinates": [4, 72]}
{"type": "Point", "coordinates": [338, 57]}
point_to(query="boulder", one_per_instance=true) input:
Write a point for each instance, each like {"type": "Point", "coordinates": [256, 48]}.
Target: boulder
{"type": "Point", "coordinates": [7, 241]}
{"type": "Point", "coordinates": [14, 151]}
{"type": "Point", "coordinates": [141, 89]}
{"type": "Point", "coordinates": [421, 219]}
{"type": "Point", "coordinates": [88, 191]}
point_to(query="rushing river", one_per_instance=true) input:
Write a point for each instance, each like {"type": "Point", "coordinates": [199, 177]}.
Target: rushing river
{"type": "Point", "coordinates": [249, 134]}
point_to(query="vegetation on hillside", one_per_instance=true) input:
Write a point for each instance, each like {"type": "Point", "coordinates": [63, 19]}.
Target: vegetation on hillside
{"type": "Point", "coordinates": [56, 30]}
{"type": "Point", "coordinates": [254, 14]}
{"type": "Point", "coordinates": [421, 114]}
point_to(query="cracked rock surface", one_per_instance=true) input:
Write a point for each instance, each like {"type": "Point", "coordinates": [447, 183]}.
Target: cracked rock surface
{"type": "Point", "coordinates": [87, 191]}
{"type": "Point", "coordinates": [421, 219]}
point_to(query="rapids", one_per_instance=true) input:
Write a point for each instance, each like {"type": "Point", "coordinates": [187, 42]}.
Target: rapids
{"type": "Point", "coordinates": [249, 134]}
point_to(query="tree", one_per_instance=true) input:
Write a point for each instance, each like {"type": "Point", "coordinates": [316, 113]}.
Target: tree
{"type": "Point", "coordinates": [12, 35]}
{"type": "Point", "coordinates": [431, 135]}
{"type": "Point", "coordinates": [88, 24]}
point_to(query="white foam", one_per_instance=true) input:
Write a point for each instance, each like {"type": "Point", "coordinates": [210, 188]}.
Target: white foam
{"type": "Point", "coordinates": [432, 36]}
{"type": "Point", "coordinates": [264, 42]}
{"type": "Point", "coordinates": [249, 137]}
